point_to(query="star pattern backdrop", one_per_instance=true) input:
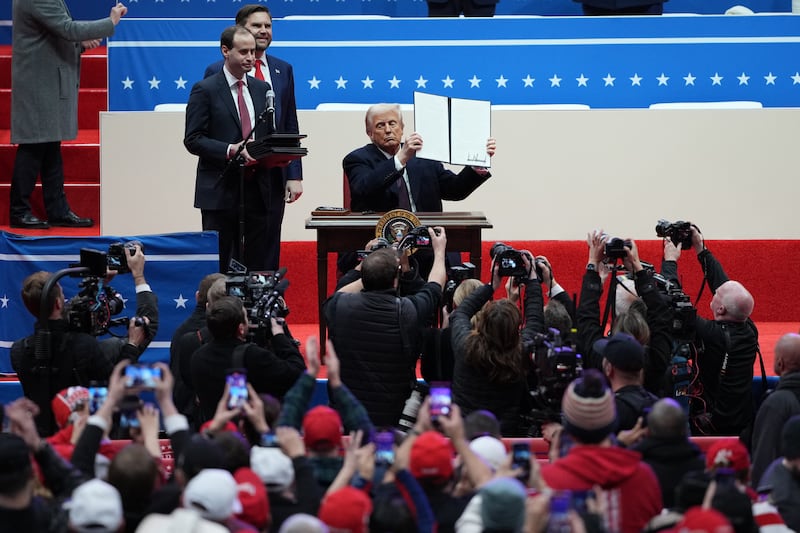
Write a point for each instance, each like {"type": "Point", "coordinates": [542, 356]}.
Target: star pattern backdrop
{"type": "Point", "coordinates": [175, 264]}
{"type": "Point", "coordinates": [601, 62]}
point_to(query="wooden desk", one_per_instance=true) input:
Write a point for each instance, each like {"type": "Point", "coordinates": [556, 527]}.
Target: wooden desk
{"type": "Point", "coordinates": [347, 233]}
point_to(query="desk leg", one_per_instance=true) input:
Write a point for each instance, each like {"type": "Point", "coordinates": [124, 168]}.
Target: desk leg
{"type": "Point", "coordinates": [322, 286]}
{"type": "Point", "coordinates": [475, 252]}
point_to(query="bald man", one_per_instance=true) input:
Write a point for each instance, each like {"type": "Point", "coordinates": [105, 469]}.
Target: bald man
{"type": "Point", "coordinates": [778, 407]}
{"type": "Point", "coordinates": [729, 341]}
{"type": "Point", "coordinates": [667, 448]}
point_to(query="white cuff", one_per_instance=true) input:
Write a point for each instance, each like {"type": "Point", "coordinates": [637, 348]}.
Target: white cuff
{"type": "Point", "coordinates": [175, 423]}
{"type": "Point", "coordinates": [143, 287]}
{"type": "Point", "coordinates": [397, 165]}
{"type": "Point", "coordinates": [99, 421]}
{"type": "Point", "coordinates": [556, 289]}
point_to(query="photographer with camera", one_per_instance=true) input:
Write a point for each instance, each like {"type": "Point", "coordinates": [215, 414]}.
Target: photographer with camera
{"type": "Point", "coordinates": [378, 333]}
{"type": "Point", "coordinates": [729, 343]}
{"type": "Point", "coordinates": [270, 369]}
{"type": "Point", "coordinates": [647, 317]}
{"type": "Point", "coordinates": [59, 355]}
{"type": "Point", "coordinates": [490, 362]}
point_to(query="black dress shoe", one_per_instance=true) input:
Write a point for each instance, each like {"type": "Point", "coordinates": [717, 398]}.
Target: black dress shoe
{"type": "Point", "coordinates": [71, 220]}
{"type": "Point", "coordinates": [29, 221]}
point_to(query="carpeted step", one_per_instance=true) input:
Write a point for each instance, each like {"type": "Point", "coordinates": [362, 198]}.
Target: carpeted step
{"type": "Point", "coordinates": [94, 72]}
{"type": "Point", "coordinates": [84, 199]}
{"type": "Point", "coordinates": [90, 103]}
{"type": "Point", "coordinates": [81, 157]}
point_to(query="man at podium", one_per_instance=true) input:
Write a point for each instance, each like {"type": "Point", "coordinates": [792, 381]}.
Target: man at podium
{"type": "Point", "coordinates": [386, 175]}
{"type": "Point", "coordinates": [222, 111]}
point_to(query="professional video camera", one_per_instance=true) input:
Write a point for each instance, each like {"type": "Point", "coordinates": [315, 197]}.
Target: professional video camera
{"type": "Point", "coordinates": [455, 275]}
{"type": "Point", "coordinates": [554, 366]}
{"type": "Point", "coordinates": [680, 232]}
{"type": "Point", "coordinates": [90, 311]}
{"type": "Point", "coordinates": [262, 296]}
{"type": "Point", "coordinates": [510, 261]}
{"type": "Point", "coordinates": [615, 248]}
{"type": "Point", "coordinates": [683, 312]}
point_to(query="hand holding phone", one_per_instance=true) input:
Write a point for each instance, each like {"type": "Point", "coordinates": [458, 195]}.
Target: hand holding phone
{"type": "Point", "coordinates": [97, 396]}
{"type": "Point", "coordinates": [521, 459]}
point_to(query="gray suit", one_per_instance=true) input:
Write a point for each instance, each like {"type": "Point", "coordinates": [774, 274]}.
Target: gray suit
{"type": "Point", "coordinates": [45, 72]}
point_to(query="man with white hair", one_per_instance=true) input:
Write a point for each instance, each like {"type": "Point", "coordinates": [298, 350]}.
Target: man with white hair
{"type": "Point", "coordinates": [730, 341]}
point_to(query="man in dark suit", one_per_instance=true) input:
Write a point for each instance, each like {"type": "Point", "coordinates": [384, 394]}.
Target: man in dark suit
{"type": "Point", "coordinates": [45, 71]}
{"type": "Point", "coordinates": [286, 184]}
{"type": "Point", "coordinates": [386, 175]}
{"type": "Point", "coordinates": [221, 113]}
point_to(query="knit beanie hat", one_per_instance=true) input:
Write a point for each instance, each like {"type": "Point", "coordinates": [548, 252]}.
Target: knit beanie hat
{"type": "Point", "coordinates": [588, 408]}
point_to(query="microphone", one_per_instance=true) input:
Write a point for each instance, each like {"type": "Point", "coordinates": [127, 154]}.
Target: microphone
{"type": "Point", "coordinates": [271, 106]}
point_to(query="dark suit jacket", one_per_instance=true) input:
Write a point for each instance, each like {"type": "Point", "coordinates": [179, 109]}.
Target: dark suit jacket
{"type": "Point", "coordinates": [282, 75]}
{"type": "Point", "coordinates": [373, 181]}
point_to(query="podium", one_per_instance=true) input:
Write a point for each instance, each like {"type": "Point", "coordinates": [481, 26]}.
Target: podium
{"type": "Point", "coordinates": [277, 149]}
{"type": "Point", "coordinates": [346, 233]}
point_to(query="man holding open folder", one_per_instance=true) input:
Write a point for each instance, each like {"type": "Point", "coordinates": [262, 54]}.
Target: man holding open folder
{"type": "Point", "coordinates": [386, 174]}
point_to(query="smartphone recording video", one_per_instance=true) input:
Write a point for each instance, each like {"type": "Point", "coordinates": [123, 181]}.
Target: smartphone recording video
{"type": "Point", "coordinates": [97, 395]}
{"type": "Point", "coordinates": [237, 386]}
{"type": "Point", "coordinates": [141, 376]}
{"type": "Point", "coordinates": [441, 400]}
{"type": "Point", "coordinates": [521, 458]}
{"type": "Point", "coordinates": [384, 448]}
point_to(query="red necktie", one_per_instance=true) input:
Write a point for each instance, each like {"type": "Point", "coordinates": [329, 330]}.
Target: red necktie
{"type": "Point", "coordinates": [259, 74]}
{"type": "Point", "coordinates": [244, 114]}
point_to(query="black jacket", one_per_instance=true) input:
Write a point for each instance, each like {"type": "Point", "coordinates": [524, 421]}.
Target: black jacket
{"type": "Point", "coordinates": [726, 360]}
{"type": "Point", "coordinates": [182, 394]}
{"type": "Point", "coordinates": [378, 337]}
{"type": "Point", "coordinates": [269, 371]}
{"type": "Point", "coordinates": [775, 410]}
{"type": "Point", "coordinates": [75, 359]}
{"type": "Point", "coordinates": [632, 401]}
{"type": "Point", "coordinates": [471, 387]}
{"type": "Point", "coordinates": [670, 459]}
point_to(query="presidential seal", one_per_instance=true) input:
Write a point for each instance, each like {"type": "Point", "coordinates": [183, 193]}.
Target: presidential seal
{"type": "Point", "coordinates": [394, 225]}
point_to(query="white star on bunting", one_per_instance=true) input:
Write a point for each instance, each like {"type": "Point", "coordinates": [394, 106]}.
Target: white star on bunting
{"type": "Point", "coordinates": [555, 81]}
{"type": "Point", "coordinates": [313, 83]}
{"type": "Point", "coordinates": [127, 83]}
{"type": "Point", "coordinates": [770, 79]}
{"type": "Point", "coordinates": [636, 80]}
{"type": "Point", "coordinates": [394, 83]}
{"type": "Point", "coordinates": [582, 80]}
{"type": "Point", "coordinates": [180, 301]}
{"type": "Point", "coordinates": [796, 78]}
{"type": "Point", "coordinates": [474, 82]}
{"type": "Point", "coordinates": [154, 83]}
{"type": "Point", "coordinates": [448, 82]}
{"type": "Point", "coordinates": [609, 79]}
{"type": "Point", "coordinates": [528, 81]}
{"type": "Point", "coordinates": [422, 83]}
{"type": "Point", "coordinates": [4, 301]}
{"type": "Point", "coordinates": [180, 83]}
{"type": "Point", "coordinates": [716, 79]}
{"type": "Point", "coordinates": [501, 81]}
{"type": "Point", "coordinates": [367, 82]}
{"type": "Point", "coordinates": [743, 79]}
{"type": "Point", "coordinates": [689, 79]}
{"type": "Point", "coordinates": [662, 80]}
{"type": "Point", "coordinates": [341, 83]}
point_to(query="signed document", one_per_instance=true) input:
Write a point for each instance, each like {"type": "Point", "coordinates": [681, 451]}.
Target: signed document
{"type": "Point", "coordinates": [453, 130]}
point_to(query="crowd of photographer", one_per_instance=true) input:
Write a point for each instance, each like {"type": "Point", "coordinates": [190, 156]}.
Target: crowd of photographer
{"type": "Point", "coordinates": [250, 456]}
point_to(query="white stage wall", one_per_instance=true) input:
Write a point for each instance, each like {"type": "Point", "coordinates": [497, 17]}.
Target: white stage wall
{"type": "Point", "coordinates": [556, 174]}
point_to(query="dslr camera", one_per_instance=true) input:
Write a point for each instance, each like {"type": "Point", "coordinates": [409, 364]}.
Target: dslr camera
{"type": "Point", "coordinates": [680, 232]}
{"type": "Point", "coordinates": [380, 242]}
{"type": "Point", "coordinates": [616, 248]}
{"type": "Point", "coordinates": [455, 275]}
{"type": "Point", "coordinates": [510, 261]}
{"type": "Point", "coordinates": [417, 237]}
{"type": "Point", "coordinates": [116, 258]}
